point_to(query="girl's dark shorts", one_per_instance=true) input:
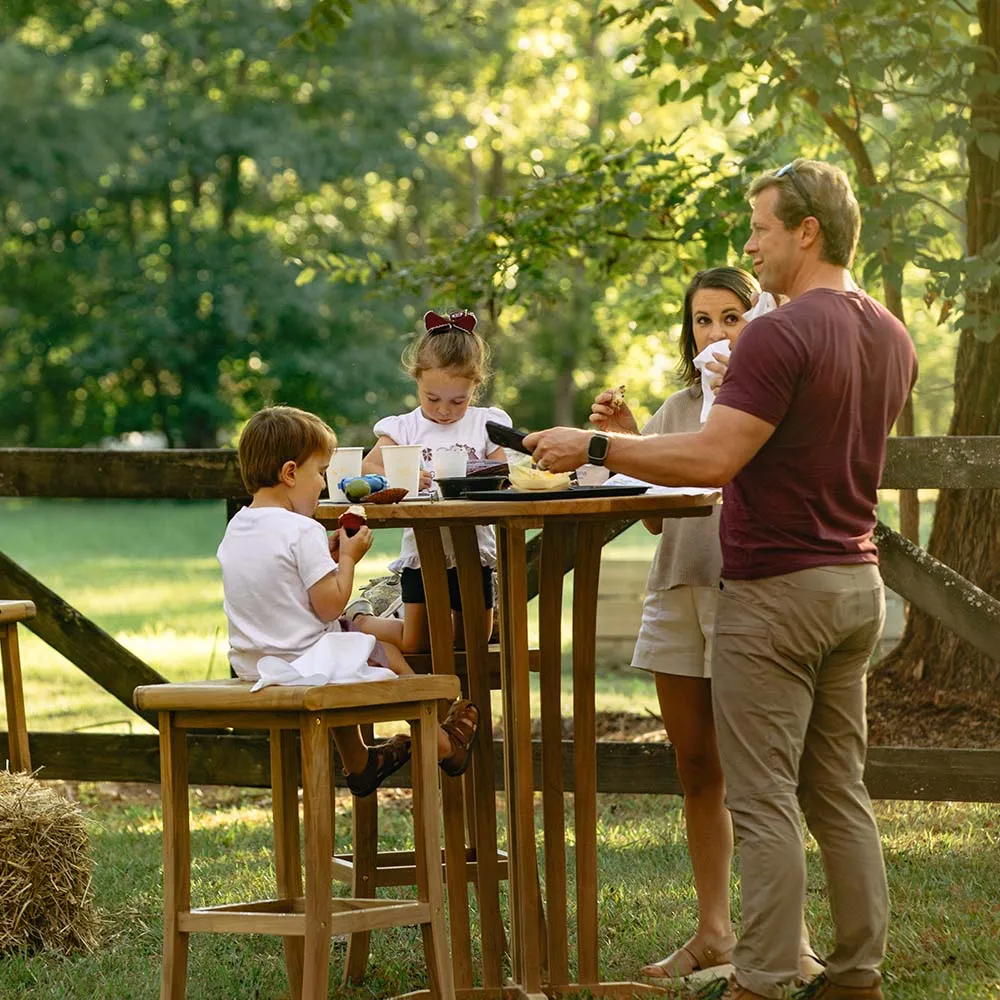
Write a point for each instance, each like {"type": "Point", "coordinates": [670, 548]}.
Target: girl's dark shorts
{"type": "Point", "coordinates": [411, 583]}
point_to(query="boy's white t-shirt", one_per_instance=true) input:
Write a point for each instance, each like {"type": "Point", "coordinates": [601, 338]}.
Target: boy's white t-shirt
{"type": "Point", "coordinates": [468, 433]}
{"type": "Point", "coordinates": [270, 557]}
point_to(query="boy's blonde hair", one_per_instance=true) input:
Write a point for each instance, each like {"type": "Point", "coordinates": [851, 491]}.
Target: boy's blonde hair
{"type": "Point", "coordinates": [279, 434]}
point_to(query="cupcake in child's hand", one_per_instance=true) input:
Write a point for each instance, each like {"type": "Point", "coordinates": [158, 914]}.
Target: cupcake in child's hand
{"type": "Point", "coordinates": [352, 519]}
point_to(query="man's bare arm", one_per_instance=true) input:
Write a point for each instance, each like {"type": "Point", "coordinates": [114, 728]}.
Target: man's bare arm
{"type": "Point", "coordinates": [709, 457]}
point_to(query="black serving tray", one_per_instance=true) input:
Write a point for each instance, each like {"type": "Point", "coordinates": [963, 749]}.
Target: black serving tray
{"type": "Point", "coordinates": [570, 493]}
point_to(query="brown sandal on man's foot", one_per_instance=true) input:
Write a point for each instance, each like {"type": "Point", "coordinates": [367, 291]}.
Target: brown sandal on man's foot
{"type": "Point", "coordinates": [383, 759]}
{"type": "Point", "coordinates": [689, 958]}
{"type": "Point", "coordinates": [810, 965]}
{"type": "Point", "coordinates": [462, 727]}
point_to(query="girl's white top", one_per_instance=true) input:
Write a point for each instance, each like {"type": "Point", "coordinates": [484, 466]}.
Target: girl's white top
{"type": "Point", "coordinates": [468, 433]}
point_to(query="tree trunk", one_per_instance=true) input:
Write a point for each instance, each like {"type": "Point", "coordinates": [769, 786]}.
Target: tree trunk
{"type": "Point", "coordinates": [966, 532]}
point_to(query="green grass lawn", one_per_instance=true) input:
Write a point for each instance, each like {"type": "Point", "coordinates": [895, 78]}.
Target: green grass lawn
{"type": "Point", "coordinates": [146, 573]}
{"type": "Point", "coordinates": [944, 938]}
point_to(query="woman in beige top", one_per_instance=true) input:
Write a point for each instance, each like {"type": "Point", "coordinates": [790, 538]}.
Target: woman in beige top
{"type": "Point", "coordinates": [678, 618]}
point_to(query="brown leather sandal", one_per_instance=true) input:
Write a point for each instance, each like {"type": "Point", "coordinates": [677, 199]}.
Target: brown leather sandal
{"type": "Point", "coordinates": [462, 727]}
{"type": "Point", "coordinates": [689, 958]}
{"type": "Point", "coordinates": [383, 759]}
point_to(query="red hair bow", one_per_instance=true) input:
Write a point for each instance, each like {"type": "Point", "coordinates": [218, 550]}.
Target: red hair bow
{"type": "Point", "coordinates": [461, 320]}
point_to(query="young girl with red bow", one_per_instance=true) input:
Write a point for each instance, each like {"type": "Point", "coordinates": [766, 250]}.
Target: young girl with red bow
{"type": "Point", "coordinates": [449, 363]}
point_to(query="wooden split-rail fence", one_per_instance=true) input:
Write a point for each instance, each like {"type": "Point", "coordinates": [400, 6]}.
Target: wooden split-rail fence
{"type": "Point", "coordinates": [226, 758]}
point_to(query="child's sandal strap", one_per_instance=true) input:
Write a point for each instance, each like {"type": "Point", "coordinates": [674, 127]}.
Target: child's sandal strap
{"type": "Point", "coordinates": [462, 727]}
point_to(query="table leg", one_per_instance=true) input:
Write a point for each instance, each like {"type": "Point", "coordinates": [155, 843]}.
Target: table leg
{"type": "Point", "coordinates": [435, 573]}
{"type": "Point", "coordinates": [586, 575]}
{"type": "Point", "coordinates": [550, 593]}
{"type": "Point", "coordinates": [481, 785]}
{"type": "Point", "coordinates": [518, 770]}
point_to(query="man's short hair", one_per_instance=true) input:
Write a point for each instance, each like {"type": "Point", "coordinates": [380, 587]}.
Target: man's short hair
{"type": "Point", "coordinates": [811, 187]}
{"type": "Point", "coordinates": [276, 435]}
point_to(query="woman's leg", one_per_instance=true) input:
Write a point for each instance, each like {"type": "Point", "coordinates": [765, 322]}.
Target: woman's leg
{"type": "Point", "coordinates": [686, 706]}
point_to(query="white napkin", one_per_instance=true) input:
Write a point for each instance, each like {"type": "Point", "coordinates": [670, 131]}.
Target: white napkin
{"type": "Point", "coordinates": [700, 362]}
{"type": "Point", "coordinates": [620, 479]}
{"type": "Point", "coordinates": [764, 304]}
{"type": "Point", "coordinates": [335, 658]}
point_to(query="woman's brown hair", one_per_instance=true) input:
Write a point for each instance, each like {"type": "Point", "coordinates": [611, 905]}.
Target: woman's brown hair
{"type": "Point", "coordinates": [731, 279]}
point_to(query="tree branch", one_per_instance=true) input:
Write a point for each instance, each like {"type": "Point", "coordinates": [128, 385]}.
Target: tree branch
{"type": "Point", "coordinates": [926, 197]}
{"type": "Point", "coordinates": [645, 238]}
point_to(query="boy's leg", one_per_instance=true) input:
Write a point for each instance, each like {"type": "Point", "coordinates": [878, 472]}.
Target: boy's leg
{"type": "Point", "coordinates": [395, 661]}
{"type": "Point", "coordinates": [351, 748]}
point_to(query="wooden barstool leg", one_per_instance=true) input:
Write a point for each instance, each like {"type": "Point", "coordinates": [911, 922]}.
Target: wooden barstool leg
{"type": "Point", "coordinates": [17, 725]}
{"type": "Point", "coordinates": [317, 806]}
{"type": "Point", "coordinates": [176, 857]}
{"type": "Point", "coordinates": [427, 853]}
{"type": "Point", "coordinates": [287, 858]}
{"type": "Point", "coordinates": [364, 871]}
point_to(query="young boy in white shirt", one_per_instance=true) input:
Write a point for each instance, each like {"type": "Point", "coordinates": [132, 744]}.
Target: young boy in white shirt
{"type": "Point", "coordinates": [286, 584]}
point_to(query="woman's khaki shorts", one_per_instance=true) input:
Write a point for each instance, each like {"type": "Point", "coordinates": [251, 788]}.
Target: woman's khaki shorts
{"type": "Point", "coordinates": [677, 631]}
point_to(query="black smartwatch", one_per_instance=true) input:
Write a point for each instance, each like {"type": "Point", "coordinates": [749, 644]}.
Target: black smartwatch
{"type": "Point", "coordinates": [597, 450]}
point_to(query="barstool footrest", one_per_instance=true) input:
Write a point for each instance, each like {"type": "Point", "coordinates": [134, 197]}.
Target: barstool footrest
{"type": "Point", "coordinates": [396, 868]}
{"type": "Point", "coordinates": [286, 917]}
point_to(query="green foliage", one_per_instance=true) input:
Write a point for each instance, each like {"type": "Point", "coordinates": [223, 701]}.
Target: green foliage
{"type": "Point", "coordinates": [180, 175]}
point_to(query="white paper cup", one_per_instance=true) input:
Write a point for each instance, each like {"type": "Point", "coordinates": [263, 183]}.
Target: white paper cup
{"type": "Point", "coordinates": [450, 463]}
{"type": "Point", "coordinates": [402, 466]}
{"type": "Point", "coordinates": [346, 462]}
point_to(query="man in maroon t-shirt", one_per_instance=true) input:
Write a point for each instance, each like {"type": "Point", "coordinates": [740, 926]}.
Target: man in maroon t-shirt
{"type": "Point", "coordinates": [796, 438]}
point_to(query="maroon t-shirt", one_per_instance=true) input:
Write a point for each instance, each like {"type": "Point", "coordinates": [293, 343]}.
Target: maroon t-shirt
{"type": "Point", "coordinates": [831, 371]}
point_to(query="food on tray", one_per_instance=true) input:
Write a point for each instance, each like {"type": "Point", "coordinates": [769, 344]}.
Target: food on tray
{"type": "Point", "coordinates": [524, 477]}
{"type": "Point", "coordinates": [618, 397]}
{"type": "Point", "coordinates": [391, 495]}
{"type": "Point", "coordinates": [352, 519]}
{"type": "Point", "coordinates": [358, 487]}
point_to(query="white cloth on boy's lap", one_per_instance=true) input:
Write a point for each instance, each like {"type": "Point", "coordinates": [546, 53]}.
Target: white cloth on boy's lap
{"type": "Point", "coordinates": [270, 557]}
{"type": "Point", "coordinates": [337, 658]}
{"type": "Point", "coordinates": [468, 433]}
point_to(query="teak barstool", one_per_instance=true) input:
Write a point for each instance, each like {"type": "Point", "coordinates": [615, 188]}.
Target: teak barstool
{"type": "Point", "coordinates": [12, 612]}
{"type": "Point", "coordinates": [306, 922]}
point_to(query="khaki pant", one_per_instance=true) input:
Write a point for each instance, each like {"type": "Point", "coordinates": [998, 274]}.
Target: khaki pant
{"type": "Point", "coordinates": [789, 685]}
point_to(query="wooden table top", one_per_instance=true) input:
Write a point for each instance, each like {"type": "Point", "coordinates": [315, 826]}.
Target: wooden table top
{"type": "Point", "coordinates": [417, 513]}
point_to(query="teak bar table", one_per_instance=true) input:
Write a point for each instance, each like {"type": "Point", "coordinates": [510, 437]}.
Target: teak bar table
{"type": "Point", "coordinates": [573, 529]}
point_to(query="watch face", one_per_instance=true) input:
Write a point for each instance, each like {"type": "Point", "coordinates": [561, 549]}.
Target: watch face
{"type": "Point", "coordinates": [598, 449]}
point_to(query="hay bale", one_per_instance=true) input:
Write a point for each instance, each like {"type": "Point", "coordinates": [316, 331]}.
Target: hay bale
{"type": "Point", "coordinates": [46, 897]}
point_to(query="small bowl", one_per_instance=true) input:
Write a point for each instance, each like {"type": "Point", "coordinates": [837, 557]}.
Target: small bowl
{"type": "Point", "coordinates": [453, 488]}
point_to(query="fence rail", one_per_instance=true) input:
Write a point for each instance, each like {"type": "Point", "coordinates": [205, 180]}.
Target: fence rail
{"type": "Point", "coordinates": [903, 773]}
{"type": "Point", "coordinates": [189, 474]}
